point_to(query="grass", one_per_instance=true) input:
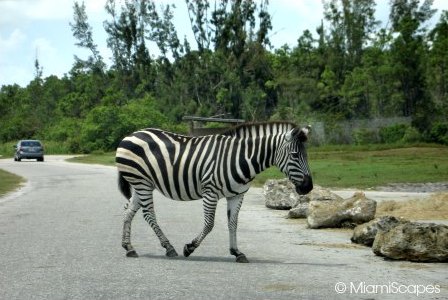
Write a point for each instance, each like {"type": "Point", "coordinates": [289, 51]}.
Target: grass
{"type": "Point", "coordinates": [434, 208]}
{"type": "Point", "coordinates": [366, 169]}
{"type": "Point", "coordinates": [101, 158]}
{"type": "Point", "coordinates": [347, 166]}
{"type": "Point", "coordinates": [9, 182]}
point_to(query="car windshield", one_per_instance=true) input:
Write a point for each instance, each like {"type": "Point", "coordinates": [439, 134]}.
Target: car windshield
{"type": "Point", "coordinates": [30, 144]}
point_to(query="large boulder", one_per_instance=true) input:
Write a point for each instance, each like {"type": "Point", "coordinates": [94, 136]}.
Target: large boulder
{"type": "Point", "coordinates": [343, 213]}
{"type": "Point", "coordinates": [280, 194]}
{"type": "Point", "coordinates": [300, 210]}
{"type": "Point", "coordinates": [365, 233]}
{"type": "Point", "coordinates": [421, 242]}
{"type": "Point", "coordinates": [319, 193]}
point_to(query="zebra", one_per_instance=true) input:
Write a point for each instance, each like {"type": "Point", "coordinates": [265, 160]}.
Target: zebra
{"type": "Point", "coordinates": [209, 167]}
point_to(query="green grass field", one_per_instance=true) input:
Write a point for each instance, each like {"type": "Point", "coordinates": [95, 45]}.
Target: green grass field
{"type": "Point", "coordinates": [9, 182]}
{"type": "Point", "coordinates": [360, 167]}
{"type": "Point", "coordinates": [107, 159]}
{"type": "Point", "coordinates": [364, 169]}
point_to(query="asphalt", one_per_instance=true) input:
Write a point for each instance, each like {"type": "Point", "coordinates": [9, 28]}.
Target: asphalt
{"type": "Point", "coordinates": [60, 238]}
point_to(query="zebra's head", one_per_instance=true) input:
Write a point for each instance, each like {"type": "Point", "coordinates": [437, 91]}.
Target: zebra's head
{"type": "Point", "coordinates": [293, 161]}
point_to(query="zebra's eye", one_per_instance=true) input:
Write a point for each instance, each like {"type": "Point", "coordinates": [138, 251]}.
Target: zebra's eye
{"type": "Point", "coordinates": [295, 154]}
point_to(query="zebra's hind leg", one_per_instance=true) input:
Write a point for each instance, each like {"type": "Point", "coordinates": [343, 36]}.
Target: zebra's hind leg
{"type": "Point", "coordinates": [209, 221]}
{"type": "Point", "coordinates": [130, 209]}
{"type": "Point", "coordinates": [147, 203]}
{"type": "Point", "coordinates": [233, 208]}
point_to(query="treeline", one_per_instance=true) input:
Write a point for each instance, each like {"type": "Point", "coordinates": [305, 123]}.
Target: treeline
{"type": "Point", "coordinates": [350, 67]}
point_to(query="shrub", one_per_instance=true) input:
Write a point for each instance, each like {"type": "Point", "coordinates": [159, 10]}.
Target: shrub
{"type": "Point", "coordinates": [98, 132]}
{"type": "Point", "coordinates": [439, 133]}
{"type": "Point", "coordinates": [140, 114]}
{"type": "Point", "coordinates": [393, 134]}
{"type": "Point", "coordinates": [365, 136]}
{"type": "Point", "coordinates": [411, 135]}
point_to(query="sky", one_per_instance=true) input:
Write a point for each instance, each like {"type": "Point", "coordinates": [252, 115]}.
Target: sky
{"type": "Point", "coordinates": [40, 28]}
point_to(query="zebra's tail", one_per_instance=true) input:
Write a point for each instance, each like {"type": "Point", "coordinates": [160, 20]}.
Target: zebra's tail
{"type": "Point", "coordinates": [124, 186]}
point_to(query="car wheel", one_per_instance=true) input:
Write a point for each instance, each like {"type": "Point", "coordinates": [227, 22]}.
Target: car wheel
{"type": "Point", "coordinates": [40, 159]}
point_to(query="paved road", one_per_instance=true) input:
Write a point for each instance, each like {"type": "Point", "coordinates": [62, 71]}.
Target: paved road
{"type": "Point", "coordinates": [60, 238]}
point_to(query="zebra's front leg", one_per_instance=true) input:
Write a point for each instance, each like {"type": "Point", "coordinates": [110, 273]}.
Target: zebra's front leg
{"type": "Point", "coordinates": [209, 221]}
{"type": "Point", "coordinates": [233, 208]}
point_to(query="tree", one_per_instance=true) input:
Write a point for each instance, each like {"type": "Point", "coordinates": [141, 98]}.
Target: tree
{"type": "Point", "coordinates": [82, 31]}
{"type": "Point", "coordinates": [408, 53]}
{"type": "Point", "coordinates": [351, 23]}
{"type": "Point", "coordinates": [437, 72]}
{"type": "Point", "coordinates": [200, 23]}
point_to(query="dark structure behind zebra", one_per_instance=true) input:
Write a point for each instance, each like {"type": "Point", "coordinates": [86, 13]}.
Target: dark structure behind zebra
{"type": "Point", "coordinates": [210, 167]}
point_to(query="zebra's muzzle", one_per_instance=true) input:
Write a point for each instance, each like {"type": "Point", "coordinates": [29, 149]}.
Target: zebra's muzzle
{"type": "Point", "coordinates": [304, 187]}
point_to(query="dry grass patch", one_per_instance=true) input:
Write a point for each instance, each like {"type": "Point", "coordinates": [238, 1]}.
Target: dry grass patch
{"type": "Point", "coordinates": [433, 208]}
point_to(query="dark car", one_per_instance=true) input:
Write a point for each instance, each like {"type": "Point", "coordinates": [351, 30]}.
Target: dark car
{"type": "Point", "coordinates": [29, 149]}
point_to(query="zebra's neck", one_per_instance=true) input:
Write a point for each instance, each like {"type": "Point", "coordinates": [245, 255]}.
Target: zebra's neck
{"type": "Point", "coordinates": [258, 145]}
{"type": "Point", "coordinates": [259, 129]}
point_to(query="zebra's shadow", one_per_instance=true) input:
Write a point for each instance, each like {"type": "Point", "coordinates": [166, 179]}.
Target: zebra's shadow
{"type": "Point", "coordinates": [216, 259]}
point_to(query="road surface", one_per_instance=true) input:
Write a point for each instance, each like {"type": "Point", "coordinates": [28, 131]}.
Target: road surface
{"type": "Point", "coordinates": [60, 238]}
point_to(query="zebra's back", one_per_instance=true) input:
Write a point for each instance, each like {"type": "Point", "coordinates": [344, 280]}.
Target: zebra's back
{"type": "Point", "coordinates": [180, 167]}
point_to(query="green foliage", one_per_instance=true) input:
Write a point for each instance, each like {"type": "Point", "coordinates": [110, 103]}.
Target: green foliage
{"type": "Point", "coordinates": [351, 69]}
{"type": "Point", "coordinates": [439, 133]}
{"type": "Point", "coordinates": [7, 149]}
{"type": "Point", "coordinates": [365, 136]}
{"type": "Point", "coordinates": [411, 135]}
{"type": "Point", "coordinates": [50, 147]}
{"type": "Point", "coordinates": [400, 133]}
{"type": "Point", "coordinates": [141, 113]}
{"type": "Point", "coordinates": [393, 134]}
{"type": "Point", "coordinates": [99, 130]}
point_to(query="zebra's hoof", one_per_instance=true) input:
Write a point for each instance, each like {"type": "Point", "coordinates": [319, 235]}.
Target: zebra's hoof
{"type": "Point", "coordinates": [188, 249]}
{"type": "Point", "coordinates": [242, 259]}
{"type": "Point", "coordinates": [131, 253]}
{"type": "Point", "coordinates": [171, 252]}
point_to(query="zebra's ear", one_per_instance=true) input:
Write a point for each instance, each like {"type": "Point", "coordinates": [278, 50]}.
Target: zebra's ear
{"type": "Point", "coordinates": [303, 133]}
{"type": "Point", "coordinates": [300, 134]}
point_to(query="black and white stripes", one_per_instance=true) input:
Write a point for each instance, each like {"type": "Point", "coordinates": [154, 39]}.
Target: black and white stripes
{"type": "Point", "coordinates": [209, 167]}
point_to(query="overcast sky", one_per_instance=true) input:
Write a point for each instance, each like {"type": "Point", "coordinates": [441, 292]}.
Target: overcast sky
{"type": "Point", "coordinates": [41, 27]}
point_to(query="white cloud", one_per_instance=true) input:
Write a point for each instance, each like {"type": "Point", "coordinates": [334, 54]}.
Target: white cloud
{"type": "Point", "coordinates": [95, 6]}
{"type": "Point", "coordinates": [15, 74]}
{"type": "Point", "coordinates": [11, 42]}
{"type": "Point", "coordinates": [19, 12]}
{"type": "Point", "coordinates": [51, 59]}
{"type": "Point", "coordinates": [10, 71]}
{"type": "Point", "coordinates": [45, 9]}
{"type": "Point", "coordinates": [291, 18]}
{"type": "Point", "coordinates": [44, 48]}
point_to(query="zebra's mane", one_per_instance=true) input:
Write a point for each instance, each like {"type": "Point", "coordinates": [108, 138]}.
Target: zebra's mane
{"type": "Point", "coordinates": [259, 128]}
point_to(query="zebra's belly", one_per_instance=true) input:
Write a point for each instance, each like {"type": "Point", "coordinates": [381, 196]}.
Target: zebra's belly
{"type": "Point", "coordinates": [224, 192]}
{"type": "Point", "coordinates": [177, 198]}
